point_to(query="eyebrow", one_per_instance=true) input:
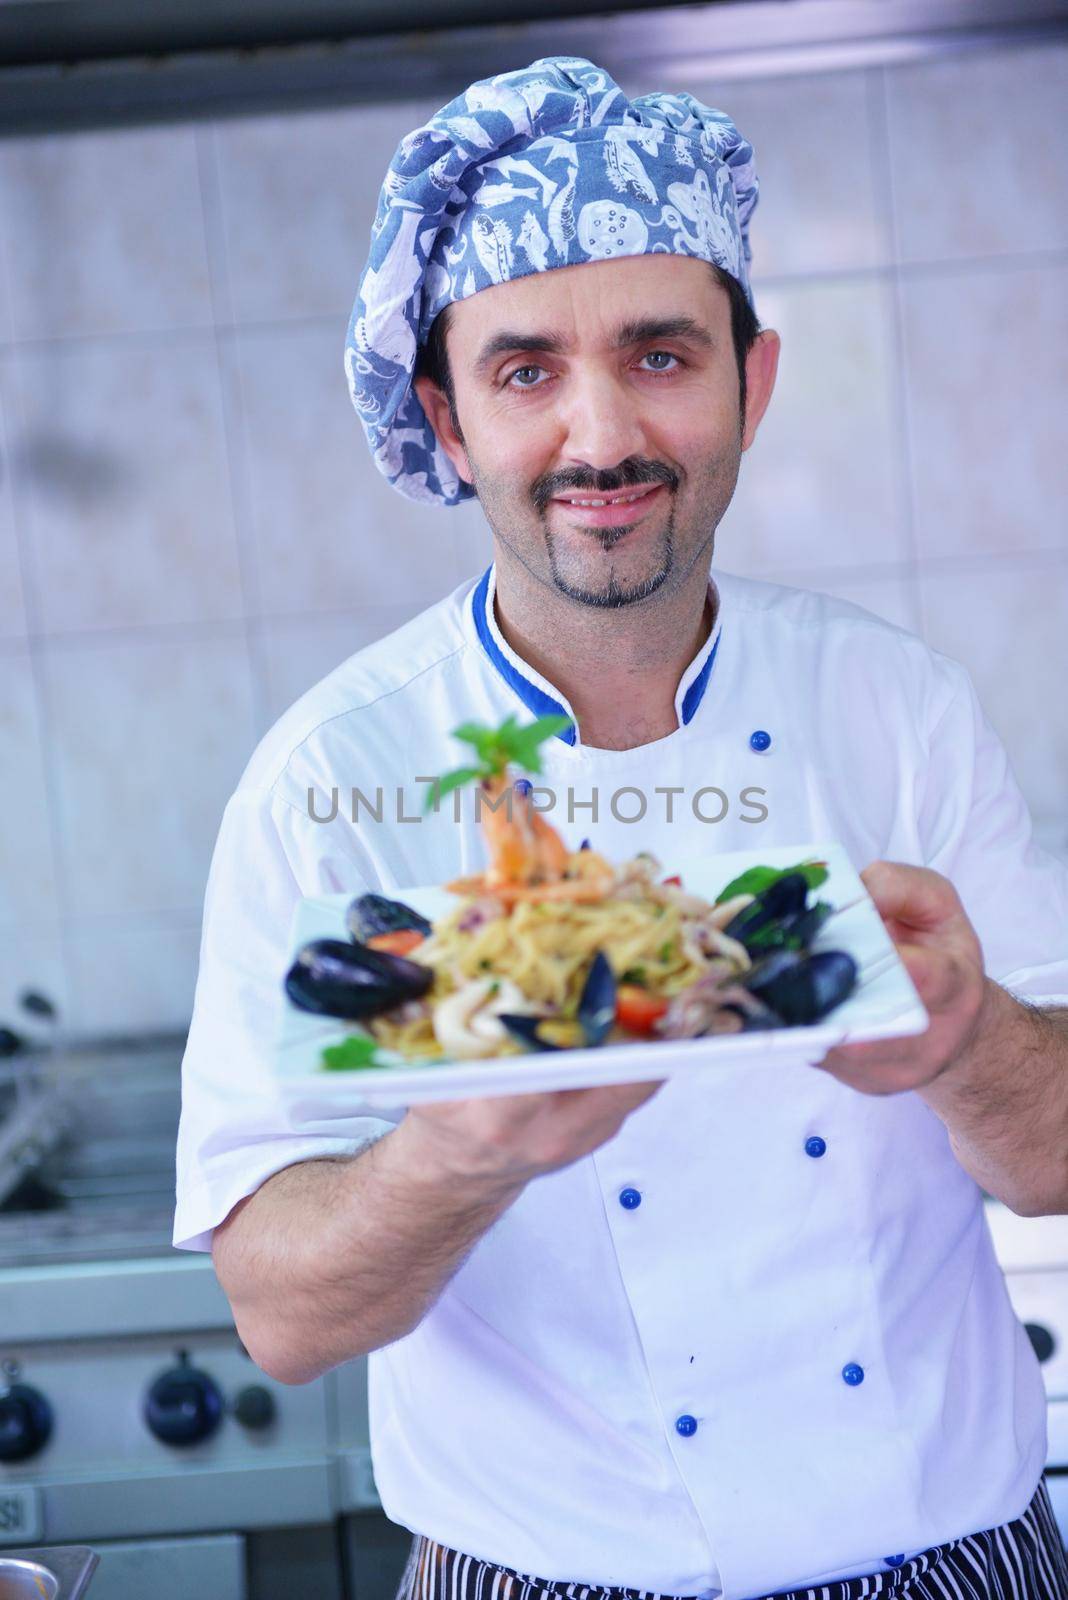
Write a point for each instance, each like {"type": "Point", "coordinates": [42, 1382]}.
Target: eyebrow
{"type": "Point", "coordinates": [638, 331]}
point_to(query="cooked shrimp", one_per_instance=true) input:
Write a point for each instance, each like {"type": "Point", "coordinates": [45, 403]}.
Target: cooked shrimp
{"type": "Point", "coordinates": [528, 858]}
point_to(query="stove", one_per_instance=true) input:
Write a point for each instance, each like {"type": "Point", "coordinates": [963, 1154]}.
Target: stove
{"type": "Point", "coordinates": [1033, 1252]}
{"type": "Point", "coordinates": [142, 1427]}
{"type": "Point", "coordinates": [89, 1142]}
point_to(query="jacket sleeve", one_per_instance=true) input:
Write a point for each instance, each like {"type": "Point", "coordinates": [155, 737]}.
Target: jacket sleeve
{"type": "Point", "coordinates": [977, 831]}
{"type": "Point", "coordinates": [235, 1131]}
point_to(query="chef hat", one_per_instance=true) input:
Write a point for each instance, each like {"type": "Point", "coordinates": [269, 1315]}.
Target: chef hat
{"type": "Point", "coordinates": [530, 170]}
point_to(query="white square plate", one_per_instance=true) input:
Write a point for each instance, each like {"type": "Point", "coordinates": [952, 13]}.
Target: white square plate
{"type": "Point", "coordinates": [884, 1005]}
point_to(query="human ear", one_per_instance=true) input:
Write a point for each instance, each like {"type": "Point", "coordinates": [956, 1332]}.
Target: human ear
{"type": "Point", "coordinates": [435, 402]}
{"type": "Point", "coordinates": [761, 365]}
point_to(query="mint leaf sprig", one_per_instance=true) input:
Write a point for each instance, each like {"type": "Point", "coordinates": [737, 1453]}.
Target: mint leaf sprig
{"type": "Point", "coordinates": [497, 749]}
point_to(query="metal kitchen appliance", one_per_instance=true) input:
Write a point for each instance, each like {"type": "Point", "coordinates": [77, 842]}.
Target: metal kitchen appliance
{"type": "Point", "coordinates": [131, 1418]}
{"type": "Point", "coordinates": [1033, 1252]}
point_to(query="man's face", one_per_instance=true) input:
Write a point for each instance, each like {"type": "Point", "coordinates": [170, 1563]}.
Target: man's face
{"type": "Point", "coordinates": [608, 379]}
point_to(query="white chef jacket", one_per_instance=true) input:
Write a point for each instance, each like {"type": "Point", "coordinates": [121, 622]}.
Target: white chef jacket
{"type": "Point", "coordinates": [760, 1338]}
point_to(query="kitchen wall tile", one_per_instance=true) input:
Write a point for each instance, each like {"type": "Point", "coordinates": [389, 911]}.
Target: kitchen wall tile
{"type": "Point", "coordinates": [299, 193]}
{"type": "Point", "coordinates": [1009, 627]}
{"type": "Point", "coordinates": [32, 959]}
{"type": "Point", "coordinates": [297, 652]}
{"type": "Point", "coordinates": [12, 606]}
{"type": "Point", "coordinates": [987, 383]}
{"type": "Point", "coordinates": [123, 476]}
{"type": "Point", "coordinates": [104, 232]}
{"type": "Point", "coordinates": [139, 977]}
{"type": "Point", "coordinates": [979, 157]}
{"type": "Point", "coordinates": [27, 869]}
{"type": "Point", "coordinates": [150, 739]}
{"type": "Point", "coordinates": [330, 533]}
{"type": "Point", "coordinates": [821, 485]}
{"type": "Point", "coordinates": [811, 138]}
{"type": "Point", "coordinates": [894, 598]}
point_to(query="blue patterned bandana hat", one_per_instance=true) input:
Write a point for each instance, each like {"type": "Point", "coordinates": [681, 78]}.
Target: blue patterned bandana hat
{"type": "Point", "coordinates": [530, 170]}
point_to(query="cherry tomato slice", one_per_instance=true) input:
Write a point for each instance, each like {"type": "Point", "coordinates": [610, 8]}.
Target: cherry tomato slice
{"type": "Point", "coordinates": [637, 1009]}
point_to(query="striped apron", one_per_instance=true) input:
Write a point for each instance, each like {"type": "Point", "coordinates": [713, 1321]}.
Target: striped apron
{"type": "Point", "coordinates": [1020, 1560]}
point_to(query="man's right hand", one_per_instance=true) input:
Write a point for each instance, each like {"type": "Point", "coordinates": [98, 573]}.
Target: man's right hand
{"type": "Point", "coordinates": [509, 1139]}
{"type": "Point", "coordinates": [333, 1258]}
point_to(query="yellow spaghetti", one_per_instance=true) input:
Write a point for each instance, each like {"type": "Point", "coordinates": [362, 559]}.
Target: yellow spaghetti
{"type": "Point", "coordinates": [544, 948]}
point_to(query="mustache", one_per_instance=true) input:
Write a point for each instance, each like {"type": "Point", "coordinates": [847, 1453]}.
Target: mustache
{"type": "Point", "coordinates": [629, 474]}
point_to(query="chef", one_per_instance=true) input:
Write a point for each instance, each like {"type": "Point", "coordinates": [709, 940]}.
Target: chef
{"type": "Point", "coordinates": [733, 1337]}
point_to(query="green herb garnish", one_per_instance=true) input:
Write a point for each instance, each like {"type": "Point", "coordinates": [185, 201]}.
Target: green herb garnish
{"type": "Point", "coordinates": [351, 1054]}
{"type": "Point", "coordinates": [666, 951]}
{"type": "Point", "coordinates": [756, 879]}
{"type": "Point", "coordinates": [496, 749]}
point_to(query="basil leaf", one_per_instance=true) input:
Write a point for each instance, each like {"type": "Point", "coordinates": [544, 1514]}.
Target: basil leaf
{"type": "Point", "coordinates": [753, 881]}
{"type": "Point", "coordinates": [351, 1054]}
{"type": "Point", "coordinates": [475, 733]}
{"type": "Point", "coordinates": [510, 741]}
{"type": "Point", "coordinates": [522, 743]}
{"type": "Point", "coordinates": [756, 879]}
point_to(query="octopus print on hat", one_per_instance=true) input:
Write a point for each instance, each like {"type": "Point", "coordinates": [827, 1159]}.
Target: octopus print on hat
{"type": "Point", "coordinates": [606, 229]}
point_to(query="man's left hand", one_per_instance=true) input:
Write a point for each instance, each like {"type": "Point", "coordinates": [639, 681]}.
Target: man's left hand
{"type": "Point", "coordinates": [941, 952]}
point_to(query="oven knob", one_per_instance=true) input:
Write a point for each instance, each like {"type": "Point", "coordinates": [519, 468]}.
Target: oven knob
{"type": "Point", "coordinates": [1042, 1341]}
{"type": "Point", "coordinates": [184, 1405]}
{"type": "Point", "coordinates": [254, 1407]}
{"type": "Point", "coordinates": [25, 1422]}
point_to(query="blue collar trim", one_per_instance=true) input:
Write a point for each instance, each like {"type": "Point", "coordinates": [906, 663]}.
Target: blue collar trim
{"type": "Point", "coordinates": [543, 704]}
{"type": "Point", "coordinates": [696, 692]}
{"type": "Point", "coordinates": [536, 699]}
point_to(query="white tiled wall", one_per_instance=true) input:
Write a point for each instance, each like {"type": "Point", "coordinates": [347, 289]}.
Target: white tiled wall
{"type": "Point", "coordinates": [191, 531]}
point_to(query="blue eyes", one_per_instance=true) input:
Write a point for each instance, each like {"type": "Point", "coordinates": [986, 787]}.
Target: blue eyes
{"type": "Point", "coordinates": [516, 381]}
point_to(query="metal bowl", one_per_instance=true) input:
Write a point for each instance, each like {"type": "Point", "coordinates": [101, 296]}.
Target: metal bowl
{"type": "Point", "coordinates": [26, 1580]}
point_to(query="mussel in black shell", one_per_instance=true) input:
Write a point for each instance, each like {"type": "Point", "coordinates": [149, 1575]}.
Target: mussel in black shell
{"type": "Point", "coordinates": [757, 924]}
{"type": "Point", "coordinates": [801, 928]}
{"type": "Point", "coordinates": [763, 974]}
{"type": "Point", "coordinates": [597, 1002]}
{"type": "Point", "coordinates": [527, 1030]}
{"type": "Point", "coordinates": [803, 989]}
{"type": "Point", "coordinates": [351, 981]}
{"type": "Point", "coordinates": [370, 914]}
{"type": "Point", "coordinates": [595, 1014]}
